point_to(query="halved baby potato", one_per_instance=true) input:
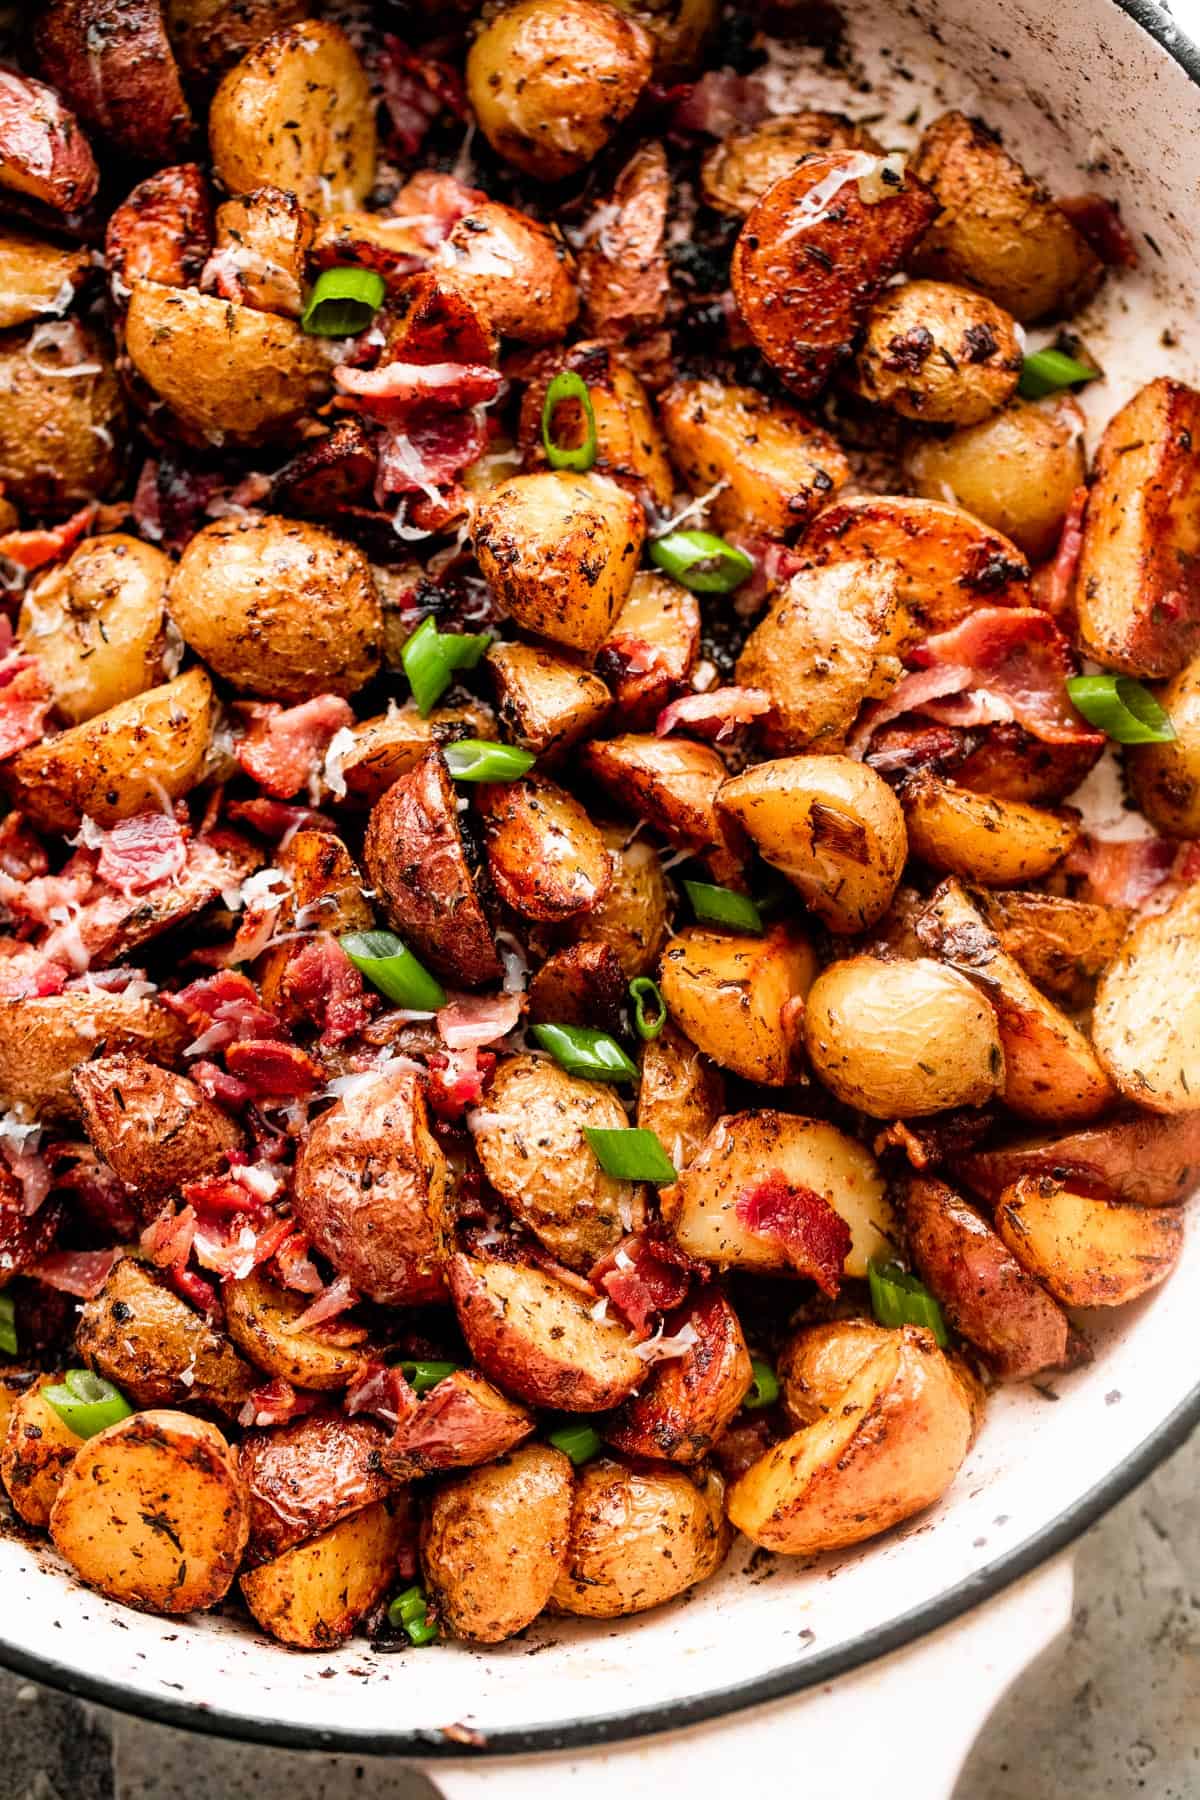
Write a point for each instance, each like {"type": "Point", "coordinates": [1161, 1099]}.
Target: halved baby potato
{"type": "Point", "coordinates": [1146, 1022]}
{"type": "Point", "coordinates": [740, 999]}
{"type": "Point", "coordinates": [545, 702]}
{"type": "Point", "coordinates": [673, 784]}
{"type": "Point", "coordinates": [95, 623]}
{"type": "Point", "coordinates": [629, 445]}
{"type": "Point", "coordinates": [995, 842]}
{"type": "Point", "coordinates": [313, 1595]}
{"type": "Point", "coordinates": [156, 1348]}
{"type": "Point", "coordinates": [1164, 779]}
{"type": "Point", "coordinates": [36, 1450]}
{"type": "Point", "coordinates": [681, 1095]}
{"type": "Point", "coordinates": [689, 1400]}
{"type": "Point", "coordinates": [739, 169]}
{"type": "Point", "coordinates": [1151, 1159]}
{"type": "Point", "coordinates": [1063, 945]}
{"type": "Point", "coordinates": [546, 858]}
{"type": "Point", "coordinates": [631, 918]}
{"type": "Point", "coordinates": [651, 650]}
{"type": "Point", "coordinates": [1087, 1251]}
{"type": "Point", "coordinates": [938, 352]}
{"type": "Point", "coordinates": [382, 749]}
{"type": "Point", "coordinates": [260, 1316]}
{"type": "Point", "coordinates": [154, 1129]}
{"type": "Point", "coordinates": [817, 1364]}
{"type": "Point", "coordinates": [303, 1476]}
{"type": "Point", "coordinates": [639, 1537]}
{"type": "Point", "coordinates": [45, 1037]}
{"type": "Point", "coordinates": [462, 1422]}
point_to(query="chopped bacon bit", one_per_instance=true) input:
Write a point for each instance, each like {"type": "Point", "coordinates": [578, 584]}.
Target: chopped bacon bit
{"type": "Point", "coordinates": [196, 1291]}
{"type": "Point", "coordinates": [720, 101]}
{"type": "Point", "coordinates": [1098, 220]}
{"type": "Point", "coordinates": [220, 1195]}
{"type": "Point", "coordinates": [715, 715]}
{"type": "Point", "coordinates": [232, 1247]}
{"type": "Point", "coordinates": [456, 1080]}
{"type": "Point", "coordinates": [416, 91]}
{"type": "Point", "coordinates": [79, 1272]}
{"type": "Point", "coordinates": [912, 693]}
{"type": "Point", "coordinates": [142, 852]}
{"type": "Point", "coordinates": [224, 1009]}
{"type": "Point", "coordinates": [78, 1171]}
{"type": "Point", "coordinates": [284, 749]}
{"type": "Point", "coordinates": [331, 1303]}
{"type": "Point", "coordinates": [394, 389]}
{"type": "Point", "coordinates": [381, 1391]}
{"type": "Point", "coordinates": [25, 702]}
{"type": "Point", "coordinates": [220, 1086]}
{"type": "Point", "coordinates": [295, 1266]}
{"type": "Point", "coordinates": [907, 749]}
{"type": "Point", "coordinates": [428, 453]}
{"type": "Point", "coordinates": [811, 1233]}
{"type": "Point", "coordinates": [1124, 873]}
{"type": "Point", "coordinates": [275, 820]}
{"type": "Point", "coordinates": [1054, 585]}
{"type": "Point", "coordinates": [642, 1278]}
{"type": "Point", "coordinates": [435, 203]}
{"type": "Point", "coordinates": [275, 1403]}
{"type": "Point", "coordinates": [24, 1237]}
{"type": "Point", "coordinates": [31, 1172]}
{"type": "Point", "coordinates": [1020, 660]}
{"type": "Point", "coordinates": [26, 973]}
{"type": "Point", "coordinates": [273, 1070]}
{"type": "Point", "coordinates": [22, 853]}
{"type": "Point", "coordinates": [167, 1239]}
{"type": "Point", "coordinates": [739, 1448]}
{"type": "Point", "coordinates": [32, 550]}
{"type": "Point", "coordinates": [624, 282]}
{"type": "Point", "coordinates": [472, 1020]}
{"type": "Point", "coordinates": [324, 985]}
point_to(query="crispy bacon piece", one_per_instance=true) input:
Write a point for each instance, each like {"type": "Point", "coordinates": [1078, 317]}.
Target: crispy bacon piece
{"type": "Point", "coordinates": [295, 1266]}
{"type": "Point", "coordinates": [471, 1020]}
{"type": "Point", "coordinates": [82, 1273]}
{"type": "Point", "coordinates": [381, 1391]}
{"type": "Point", "coordinates": [433, 203]}
{"type": "Point", "coordinates": [1124, 873]}
{"type": "Point", "coordinates": [428, 454]}
{"type": "Point", "coordinates": [284, 748]}
{"type": "Point", "coordinates": [643, 1276]}
{"type": "Point", "coordinates": [719, 102]}
{"type": "Point", "coordinates": [811, 1233]}
{"type": "Point", "coordinates": [25, 702]}
{"type": "Point", "coordinates": [1099, 221]}
{"type": "Point", "coordinates": [272, 819]}
{"type": "Point", "coordinates": [623, 280]}
{"type": "Point", "coordinates": [22, 854]}
{"type": "Point", "coordinates": [26, 973]}
{"type": "Point", "coordinates": [715, 715]}
{"type": "Point", "coordinates": [1054, 584]}
{"type": "Point", "coordinates": [456, 1080]}
{"type": "Point", "coordinates": [417, 90]}
{"type": "Point", "coordinates": [223, 1009]}
{"type": "Point", "coordinates": [322, 983]}
{"type": "Point", "coordinates": [167, 1239]}
{"type": "Point", "coordinates": [32, 550]}
{"type": "Point", "coordinates": [142, 852]}
{"type": "Point", "coordinates": [395, 389]}
{"type": "Point", "coordinates": [275, 1403]}
{"type": "Point", "coordinates": [273, 1070]}
{"type": "Point", "coordinates": [97, 1193]}
{"type": "Point", "coordinates": [1019, 663]}
{"type": "Point", "coordinates": [24, 1237]}
{"type": "Point", "coordinates": [329, 1304]}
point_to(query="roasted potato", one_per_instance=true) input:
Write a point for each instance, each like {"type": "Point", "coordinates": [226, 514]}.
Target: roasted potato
{"type": "Point", "coordinates": [701, 1209]}
{"type": "Point", "coordinates": [680, 29]}
{"type": "Point", "coordinates": [546, 859]}
{"type": "Point", "coordinates": [44, 156]}
{"type": "Point", "coordinates": [260, 1317]}
{"type": "Point", "coordinates": [154, 1129]}
{"type": "Point", "coordinates": [162, 231]}
{"type": "Point", "coordinates": [651, 649]}
{"type": "Point", "coordinates": [1086, 1251]}
{"type": "Point", "coordinates": [777, 467]}
{"type": "Point", "coordinates": [297, 113]}
{"type": "Point", "coordinates": [624, 274]}
{"type": "Point", "coordinates": [939, 353]}
{"type": "Point", "coordinates": [382, 749]}
{"type": "Point", "coordinates": [681, 1095]}
{"type": "Point", "coordinates": [995, 229]}
{"type": "Point", "coordinates": [62, 421]}
{"type": "Point", "coordinates": [15, 1381]}
{"type": "Point", "coordinates": [113, 62]}
{"type": "Point", "coordinates": [902, 1039]}
{"type": "Point", "coordinates": [537, 1338]}
{"type": "Point", "coordinates": [370, 1187]}
{"type": "Point", "coordinates": [1136, 591]}
{"type": "Point", "coordinates": [156, 1349]}
{"type": "Point", "coordinates": [545, 703]}
{"type": "Point", "coordinates": [513, 270]}
{"type": "Point", "coordinates": [1050, 1069]}
{"type": "Point", "coordinates": [95, 623]}
{"type": "Point", "coordinates": [994, 842]}
{"type": "Point", "coordinates": [817, 1364]}
{"type": "Point", "coordinates": [549, 80]}
{"type": "Point", "coordinates": [1150, 1160]}
{"type": "Point", "coordinates": [738, 171]}
{"type": "Point", "coordinates": [529, 1138]}
{"type": "Point", "coordinates": [741, 999]}
{"type": "Point", "coordinates": [640, 1537]}
{"type": "Point", "coordinates": [37, 279]}
{"type": "Point", "coordinates": [832, 826]}
{"type": "Point", "coordinates": [689, 1400]}
{"type": "Point", "coordinates": [581, 984]}
{"type": "Point", "coordinates": [1146, 1021]}
{"type": "Point", "coordinates": [326, 893]}
{"type": "Point", "coordinates": [494, 1542]}
{"type": "Point", "coordinates": [152, 1512]}
{"type": "Point", "coordinates": [314, 1595]}
{"type": "Point", "coordinates": [560, 551]}
{"type": "Point", "coordinates": [673, 784]}
{"type": "Point", "coordinates": [45, 1038]}
{"type": "Point", "coordinates": [1164, 779]}
{"type": "Point", "coordinates": [462, 1422]}
{"type": "Point", "coordinates": [629, 445]}
{"type": "Point", "coordinates": [302, 1477]}
{"type": "Point", "coordinates": [36, 1450]}
{"type": "Point", "coordinates": [815, 251]}
{"type": "Point", "coordinates": [209, 36]}
{"type": "Point", "coordinates": [1017, 471]}
{"type": "Point", "coordinates": [418, 863]}
{"type": "Point", "coordinates": [1062, 945]}
{"type": "Point", "coordinates": [891, 1448]}
{"type": "Point", "coordinates": [263, 241]}
{"type": "Point", "coordinates": [631, 918]}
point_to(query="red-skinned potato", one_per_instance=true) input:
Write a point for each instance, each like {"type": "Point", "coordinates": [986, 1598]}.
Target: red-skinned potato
{"type": "Point", "coordinates": [304, 1476]}
{"type": "Point", "coordinates": [43, 153]}
{"type": "Point", "coordinates": [1088, 1251]}
{"type": "Point", "coordinates": [629, 445]}
{"type": "Point", "coordinates": [547, 860]}
{"type": "Point", "coordinates": [513, 270]}
{"type": "Point", "coordinates": [689, 1400]}
{"type": "Point", "coordinates": [112, 60]}
{"type": "Point", "coordinates": [462, 1422]}
{"type": "Point", "coordinates": [1151, 1160]}
{"type": "Point", "coordinates": [639, 1537]}
{"type": "Point", "coordinates": [674, 784]}
{"type": "Point", "coordinates": [162, 232]}
{"type": "Point", "coordinates": [154, 1129]}
{"type": "Point", "coordinates": [624, 278]}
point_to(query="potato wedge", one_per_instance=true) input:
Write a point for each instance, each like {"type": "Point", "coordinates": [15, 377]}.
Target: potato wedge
{"type": "Point", "coordinates": [624, 277]}
{"type": "Point", "coordinates": [581, 984]}
{"type": "Point", "coordinates": [152, 1512]}
{"type": "Point", "coordinates": [43, 153]}
{"type": "Point", "coordinates": [260, 1318]}
{"type": "Point", "coordinates": [156, 1349]}
{"type": "Point", "coordinates": [113, 62]}
{"type": "Point", "coordinates": [700, 1210]}
{"type": "Point", "coordinates": [652, 647]}
{"type": "Point", "coordinates": [688, 1401]}
{"type": "Point", "coordinates": [545, 857]}
{"type": "Point", "coordinates": [1149, 1160]}
{"type": "Point", "coordinates": [832, 826]}
{"type": "Point", "coordinates": [37, 280]}
{"type": "Point", "coordinates": [640, 1537]}
{"type": "Point", "coordinates": [513, 270]}
{"type": "Point", "coordinates": [629, 444]}
{"type": "Point", "coordinates": [1085, 1251]}
{"type": "Point", "coordinates": [681, 1096]}
{"type": "Point", "coordinates": [384, 748]}
{"type": "Point", "coordinates": [1164, 779]}
{"type": "Point", "coordinates": [154, 1129]}
{"type": "Point", "coordinates": [1062, 945]}
{"type": "Point", "coordinates": [741, 999]}
{"type": "Point", "coordinates": [36, 1450]}
{"type": "Point", "coordinates": [263, 244]}
{"type": "Point", "coordinates": [1146, 1021]}
{"type": "Point", "coordinates": [940, 353]}
{"type": "Point", "coordinates": [890, 1449]}
{"type": "Point", "coordinates": [817, 1364]}
{"type": "Point", "coordinates": [544, 702]}
{"type": "Point", "coordinates": [536, 1337]}
{"type": "Point", "coordinates": [95, 623]}
{"type": "Point", "coordinates": [674, 785]}
{"type": "Point", "coordinates": [302, 1477]}
{"type": "Point", "coordinates": [1050, 1069]}
{"type": "Point", "coordinates": [44, 1039]}
{"type": "Point", "coordinates": [739, 169]}
{"type": "Point", "coordinates": [62, 418]}
{"type": "Point", "coordinates": [631, 919]}
{"type": "Point", "coordinates": [314, 1595]}
{"type": "Point", "coordinates": [993, 842]}
{"type": "Point", "coordinates": [462, 1422]}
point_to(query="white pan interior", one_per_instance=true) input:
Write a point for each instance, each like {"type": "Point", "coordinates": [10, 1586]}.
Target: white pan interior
{"type": "Point", "coordinates": [1090, 101]}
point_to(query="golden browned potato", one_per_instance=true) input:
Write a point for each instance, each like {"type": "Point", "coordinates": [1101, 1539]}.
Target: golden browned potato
{"type": "Point", "coordinates": [544, 702]}
{"type": "Point", "coordinates": [537, 1338]}
{"type": "Point", "coordinates": [37, 280]}
{"type": "Point", "coordinates": [832, 826]}
{"type": "Point", "coordinates": [738, 171]}
{"type": "Point", "coordinates": [370, 1187]}
{"type": "Point", "coordinates": [581, 984]}
{"type": "Point", "coordinates": [95, 623]}
{"type": "Point", "coordinates": [462, 1422]}
{"type": "Point", "coordinates": [689, 1400]}
{"type": "Point", "coordinates": [1139, 610]}
{"type": "Point", "coordinates": [1165, 778]}
{"type": "Point", "coordinates": [262, 244]}
{"type": "Point", "coordinates": [44, 1039]}
{"type": "Point", "coordinates": [545, 857]}
{"type": "Point", "coordinates": [651, 649]}
{"type": "Point", "coordinates": [36, 1450]}
{"type": "Point", "coordinates": [302, 1477]}
{"type": "Point", "coordinates": [314, 1595]}
{"type": "Point", "coordinates": [815, 251]}
{"type": "Point", "coordinates": [899, 1040]}
{"type": "Point", "coordinates": [549, 80]}
{"type": "Point", "coordinates": [515, 271]}
{"type": "Point", "coordinates": [123, 760]}
{"type": "Point", "coordinates": [1150, 1160]}
{"type": "Point", "coordinates": [639, 1537]}
{"type": "Point", "coordinates": [62, 421]}
{"type": "Point", "coordinates": [209, 36]}
{"type": "Point", "coordinates": [701, 1209]}
{"type": "Point", "coordinates": [777, 467]}
{"type": "Point", "coordinates": [1087, 1251]}
{"type": "Point", "coordinates": [382, 749]}
{"type": "Point", "coordinates": [1062, 945]}
{"type": "Point", "coordinates": [297, 113]}
{"type": "Point", "coordinates": [112, 61]}
{"type": "Point", "coordinates": [279, 607]}
{"type": "Point", "coordinates": [890, 1449]}
{"type": "Point", "coordinates": [14, 1382]}
{"type": "Point", "coordinates": [673, 784]}
{"type": "Point", "coordinates": [152, 1512]}
{"type": "Point", "coordinates": [43, 153]}
{"type": "Point", "coordinates": [162, 231]}
{"type": "Point", "coordinates": [987, 1296]}
{"type": "Point", "coordinates": [494, 1542]}
{"type": "Point", "coordinates": [1017, 471]}
{"type": "Point", "coordinates": [940, 353]}
{"type": "Point", "coordinates": [1146, 1021]}
{"type": "Point", "coordinates": [260, 1317]}
{"type": "Point", "coordinates": [1050, 1069]}
{"type": "Point", "coordinates": [529, 1138]}
{"type": "Point", "coordinates": [680, 29]}
{"type": "Point", "coordinates": [741, 999]}
{"type": "Point", "coordinates": [154, 1129]}
{"type": "Point", "coordinates": [994, 842]}
{"type": "Point", "coordinates": [560, 551]}
{"type": "Point", "coordinates": [818, 1363]}
{"type": "Point", "coordinates": [681, 1095]}
{"type": "Point", "coordinates": [995, 228]}
{"type": "Point", "coordinates": [156, 1349]}
{"type": "Point", "coordinates": [629, 445]}
{"type": "Point", "coordinates": [420, 867]}
{"type": "Point", "coordinates": [631, 919]}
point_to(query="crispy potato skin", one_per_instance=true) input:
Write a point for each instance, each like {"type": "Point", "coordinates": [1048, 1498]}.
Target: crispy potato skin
{"type": "Point", "coordinates": [1062, 945]}
{"type": "Point", "coordinates": [804, 282]}
{"type": "Point", "coordinates": [681, 1096]}
{"type": "Point", "coordinates": [738, 170]}
{"type": "Point", "coordinates": [631, 918]}
{"type": "Point", "coordinates": [939, 353]}
{"type": "Point", "coordinates": [154, 1129]}
{"type": "Point", "coordinates": [1146, 1022]}
{"type": "Point", "coordinates": [581, 984]}
{"type": "Point", "coordinates": [369, 1190]}
{"type": "Point", "coordinates": [514, 271]}
{"type": "Point", "coordinates": [535, 1155]}
{"type": "Point", "coordinates": [43, 153]}
{"type": "Point", "coordinates": [36, 1450]}
{"type": "Point", "coordinates": [674, 784]}
{"type": "Point", "coordinates": [550, 79]}
{"type": "Point", "coordinates": [44, 1039]}
{"type": "Point", "coordinates": [417, 862]}
{"type": "Point", "coordinates": [740, 999]}
{"type": "Point", "coordinates": [659, 624]}
{"type": "Point", "coordinates": [259, 1316]}
{"type": "Point", "coordinates": [1150, 1160]}
{"type": "Point", "coordinates": [112, 60]}
{"type": "Point", "coordinates": [462, 1423]}
{"type": "Point", "coordinates": [494, 1542]}
{"type": "Point", "coordinates": [303, 1477]}
{"type": "Point", "coordinates": [546, 703]}
{"type": "Point", "coordinates": [688, 1402]}
{"type": "Point", "coordinates": [156, 1349]}
{"type": "Point", "coordinates": [1165, 778]}
{"type": "Point", "coordinates": [152, 1512]}
{"type": "Point", "coordinates": [314, 1595]}
{"type": "Point", "coordinates": [327, 891]}
{"type": "Point", "coordinates": [640, 1537]}
{"type": "Point", "coordinates": [263, 241]}
{"type": "Point", "coordinates": [1086, 1251]}
{"type": "Point", "coordinates": [37, 279]}
{"type": "Point", "coordinates": [95, 623]}
{"type": "Point", "coordinates": [51, 460]}
{"type": "Point", "coordinates": [546, 858]}
{"type": "Point", "coordinates": [624, 277]}
{"type": "Point", "coordinates": [994, 842]}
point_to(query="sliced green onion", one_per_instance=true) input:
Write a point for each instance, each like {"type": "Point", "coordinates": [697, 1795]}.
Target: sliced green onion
{"type": "Point", "coordinates": [391, 966]}
{"type": "Point", "coordinates": [409, 1612]}
{"type": "Point", "coordinates": [898, 1298]}
{"type": "Point", "coordinates": [641, 991]}
{"type": "Point", "coordinates": [8, 1326]}
{"type": "Point", "coordinates": [701, 561]}
{"type": "Point", "coordinates": [86, 1403]}
{"type": "Point", "coordinates": [567, 385]}
{"type": "Point", "coordinates": [1046, 371]}
{"type": "Point", "coordinates": [764, 1389]}
{"type": "Point", "coordinates": [474, 759]}
{"type": "Point", "coordinates": [582, 1050]}
{"type": "Point", "coordinates": [1121, 707]}
{"type": "Point", "coordinates": [630, 1155]}
{"type": "Point", "coordinates": [421, 1376]}
{"type": "Point", "coordinates": [724, 906]}
{"type": "Point", "coordinates": [343, 302]}
{"type": "Point", "coordinates": [579, 1440]}
{"type": "Point", "coordinates": [430, 658]}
